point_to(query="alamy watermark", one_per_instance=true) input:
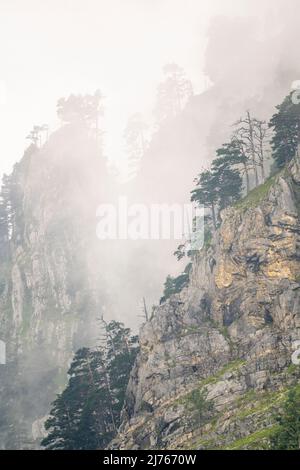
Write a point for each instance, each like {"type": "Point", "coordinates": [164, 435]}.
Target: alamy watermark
{"type": "Point", "coordinates": [123, 221]}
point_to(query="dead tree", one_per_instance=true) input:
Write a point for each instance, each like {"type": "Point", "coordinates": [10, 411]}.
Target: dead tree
{"type": "Point", "coordinates": [245, 128]}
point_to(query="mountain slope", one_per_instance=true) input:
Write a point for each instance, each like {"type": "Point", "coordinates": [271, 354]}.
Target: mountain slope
{"type": "Point", "coordinates": [51, 282]}
{"type": "Point", "coordinates": [215, 360]}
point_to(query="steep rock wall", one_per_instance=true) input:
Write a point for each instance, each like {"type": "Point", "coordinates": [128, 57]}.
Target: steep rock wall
{"type": "Point", "coordinates": [215, 360]}
{"type": "Point", "coordinates": [51, 288]}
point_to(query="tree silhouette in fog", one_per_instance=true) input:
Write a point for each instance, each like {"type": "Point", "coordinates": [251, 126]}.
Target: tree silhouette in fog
{"type": "Point", "coordinates": [81, 108]}
{"type": "Point", "coordinates": [173, 93]}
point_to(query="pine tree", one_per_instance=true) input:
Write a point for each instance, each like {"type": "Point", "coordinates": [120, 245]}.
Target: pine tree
{"type": "Point", "coordinates": [228, 182]}
{"type": "Point", "coordinates": [288, 435]}
{"type": "Point", "coordinates": [221, 186]}
{"type": "Point", "coordinates": [173, 285]}
{"type": "Point", "coordinates": [235, 154]}
{"type": "Point", "coordinates": [285, 124]}
{"type": "Point", "coordinates": [173, 93]}
{"type": "Point", "coordinates": [206, 192]}
{"type": "Point", "coordinates": [80, 417]}
{"type": "Point", "coordinates": [81, 109]}
{"type": "Point", "coordinates": [86, 414]}
{"type": "Point", "coordinates": [121, 352]}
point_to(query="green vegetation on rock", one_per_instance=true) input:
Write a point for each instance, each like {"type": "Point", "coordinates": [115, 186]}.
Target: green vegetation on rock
{"type": "Point", "coordinates": [257, 195]}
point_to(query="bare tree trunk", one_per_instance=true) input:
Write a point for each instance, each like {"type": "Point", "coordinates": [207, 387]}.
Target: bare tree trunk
{"type": "Point", "coordinates": [252, 147]}
{"type": "Point", "coordinates": [247, 178]}
{"type": "Point", "coordinates": [261, 150]}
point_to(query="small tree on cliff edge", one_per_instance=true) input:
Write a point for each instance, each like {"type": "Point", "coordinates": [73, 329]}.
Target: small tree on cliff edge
{"type": "Point", "coordinates": [206, 192]}
{"type": "Point", "coordinates": [286, 126]}
{"type": "Point", "coordinates": [219, 187]}
{"type": "Point", "coordinates": [235, 154]}
{"type": "Point", "coordinates": [228, 180]}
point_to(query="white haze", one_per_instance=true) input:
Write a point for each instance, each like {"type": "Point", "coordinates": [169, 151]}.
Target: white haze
{"type": "Point", "coordinates": [246, 50]}
{"type": "Point", "coordinates": [52, 48]}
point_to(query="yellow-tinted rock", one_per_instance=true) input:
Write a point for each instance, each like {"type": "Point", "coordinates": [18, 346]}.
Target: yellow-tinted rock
{"type": "Point", "coordinates": [280, 270]}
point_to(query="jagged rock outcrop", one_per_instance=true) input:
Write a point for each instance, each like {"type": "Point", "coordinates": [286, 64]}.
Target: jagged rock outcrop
{"type": "Point", "coordinates": [215, 360]}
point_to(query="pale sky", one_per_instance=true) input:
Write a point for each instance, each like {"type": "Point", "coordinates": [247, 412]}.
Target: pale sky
{"type": "Point", "coordinates": [52, 48]}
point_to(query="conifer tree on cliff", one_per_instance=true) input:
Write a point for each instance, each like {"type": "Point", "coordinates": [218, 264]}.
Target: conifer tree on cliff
{"type": "Point", "coordinates": [236, 156]}
{"type": "Point", "coordinates": [229, 182]}
{"type": "Point", "coordinates": [288, 435]}
{"type": "Point", "coordinates": [286, 127]}
{"type": "Point", "coordinates": [206, 192]}
{"type": "Point", "coordinates": [218, 187]}
{"type": "Point", "coordinates": [86, 415]}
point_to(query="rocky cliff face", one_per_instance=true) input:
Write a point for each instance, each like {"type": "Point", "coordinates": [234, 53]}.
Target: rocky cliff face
{"type": "Point", "coordinates": [50, 280]}
{"type": "Point", "coordinates": [215, 360]}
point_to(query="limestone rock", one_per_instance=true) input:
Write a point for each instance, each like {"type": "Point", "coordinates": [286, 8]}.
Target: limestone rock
{"type": "Point", "coordinates": [214, 360]}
